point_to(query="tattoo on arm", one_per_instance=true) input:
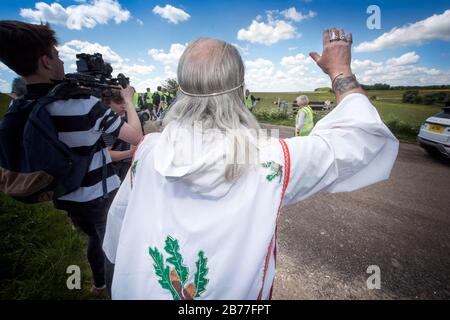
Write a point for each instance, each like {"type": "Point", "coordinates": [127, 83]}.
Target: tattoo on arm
{"type": "Point", "coordinates": [342, 85]}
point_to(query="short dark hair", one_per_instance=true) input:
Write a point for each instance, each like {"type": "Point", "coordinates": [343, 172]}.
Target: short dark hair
{"type": "Point", "coordinates": [23, 44]}
{"type": "Point", "coordinates": [159, 88]}
{"type": "Point", "coordinates": [112, 95]}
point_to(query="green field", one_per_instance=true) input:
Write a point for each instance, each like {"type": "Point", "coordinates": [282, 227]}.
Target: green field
{"type": "Point", "coordinates": [388, 103]}
{"type": "Point", "coordinates": [38, 244]}
{"type": "Point", "coordinates": [4, 101]}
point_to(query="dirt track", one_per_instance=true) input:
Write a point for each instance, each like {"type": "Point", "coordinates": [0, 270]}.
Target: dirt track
{"type": "Point", "coordinates": [401, 225]}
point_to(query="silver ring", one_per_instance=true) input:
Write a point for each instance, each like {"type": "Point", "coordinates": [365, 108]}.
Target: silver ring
{"type": "Point", "coordinates": [333, 36]}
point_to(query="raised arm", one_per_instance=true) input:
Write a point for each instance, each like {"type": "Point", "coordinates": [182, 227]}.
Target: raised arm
{"type": "Point", "coordinates": [348, 149]}
{"type": "Point", "coordinates": [130, 132]}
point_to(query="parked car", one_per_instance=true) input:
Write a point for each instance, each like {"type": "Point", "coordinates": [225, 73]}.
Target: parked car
{"type": "Point", "coordinates": [434, 135]}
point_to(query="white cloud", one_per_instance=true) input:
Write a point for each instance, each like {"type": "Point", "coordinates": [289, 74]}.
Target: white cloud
{"type": "Point", "coordinates": [77, 17]}
{"type": "Point", "coordinates": [172, 14]}
{"type": "Point", "coordinates": [4, 86]}
{"type": "Point", "coordinates": [140, 22]}
{"type": "Point", "coordinates": [299, 59]}
{"type": "Point", "coordinates": [267, 33]}
{"type": "Point", "coordinates": [243, 50]}
{"type": "Point", "coordinates": [293, 14]}
{"type": "Point", "coordinates": [171, 57]}
{"type": "Point", "coordinates": [396, 71]}
{"type": "Point", "coordinates": [292, 74]}
{"type": "Point", "coordinates": [169, 72]}
{"type": "Point", "coordinates": [296, 66]}
{"type": "Point", "coordinates": [299, 73]}
{"type": "Point", "coordinates": [141, 76]}
{"type": "Point", "coordinates": [142, 84]}
{"type": "Point", "coordinates": [135, 69]}
{"type": "Point", "coordinates": [436, 27]}
{"type": "Point", "coordinates": [69, 50]}
{"type": "Point", "coordinates": [407, 58]}
{"type": "Point", "coordinates": [279, 26]}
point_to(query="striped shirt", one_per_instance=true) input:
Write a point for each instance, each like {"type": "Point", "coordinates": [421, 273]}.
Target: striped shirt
{"type": "Point", "coordinates": [80, 124]}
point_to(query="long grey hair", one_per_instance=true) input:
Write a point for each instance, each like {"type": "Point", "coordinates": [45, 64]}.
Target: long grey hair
{"type": "Point", "coordinates": [211, 66]}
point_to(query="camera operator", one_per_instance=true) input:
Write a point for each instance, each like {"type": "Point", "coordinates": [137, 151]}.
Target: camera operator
{"type": "Point", "coordinates": [31, 53]}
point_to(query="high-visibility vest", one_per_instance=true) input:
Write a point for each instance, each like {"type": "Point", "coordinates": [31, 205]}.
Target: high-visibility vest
{"type": "Point", "coordinates": [148, 97]}
{"type": "Point", "coordinates": [308, 123]}
{"type": "Point", "coordinates": [166, 96]}
{"type": "Point", "coordinates": [135, 99]}
{"type": "Point", "coordinates": [248, 101]}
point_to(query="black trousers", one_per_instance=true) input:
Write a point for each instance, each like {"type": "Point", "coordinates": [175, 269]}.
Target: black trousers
{"type": "Point", "coordinates": [90, 218]}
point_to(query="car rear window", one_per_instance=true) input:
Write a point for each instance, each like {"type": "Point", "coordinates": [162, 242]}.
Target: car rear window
{"type": "Point", "coordinates": [444, 114]}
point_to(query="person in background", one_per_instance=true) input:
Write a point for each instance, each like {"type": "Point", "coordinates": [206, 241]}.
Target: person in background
{"type": "Point", "coordinates": [158, 101]}
{"type": "Point", "coordinates": [120, 151]}
{"type": "Point", "coordinates": [249, 100]}
{"type": "Point", "coordinates": [149, 104]}
{"type": "Point", "coordinates": [166, 99]}
{"type": "Point", "coordinates": [304, 118]}
{"type": "Point", "coordinates": [135, 99]}
{"type": "Point", "coordinates": [18, 88]}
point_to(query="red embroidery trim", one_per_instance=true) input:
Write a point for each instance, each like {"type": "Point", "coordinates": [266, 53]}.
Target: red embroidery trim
{"type": "Point", "coordinates": [287, 173]}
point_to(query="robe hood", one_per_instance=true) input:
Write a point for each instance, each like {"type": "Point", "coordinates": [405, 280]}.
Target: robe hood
{"type": "Point", "coordinates": [183, 155]}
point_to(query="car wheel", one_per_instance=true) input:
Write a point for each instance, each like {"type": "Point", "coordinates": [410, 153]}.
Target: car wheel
{"type": "Point", "coordinates": [145, 116]}
{"type": "Point", "coordinates": [433, 152]}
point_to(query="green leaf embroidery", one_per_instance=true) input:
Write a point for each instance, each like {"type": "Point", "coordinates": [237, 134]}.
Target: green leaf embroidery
{"type": "Point", "coordinates": [173, 279]}
{"type": "Point", "coordinates": [163, 272]}
{"type": "Point", "coordinates": [176, 259]}
{"type": "Point", "coordinates": [134, 167]}
{"type": "Point", "coordinates": [277, 170]}
{"type": "Point", "coordinates": [199, 279]}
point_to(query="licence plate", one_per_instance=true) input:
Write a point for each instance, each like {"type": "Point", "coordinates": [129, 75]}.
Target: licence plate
{"type": "Point", "coordinates": [436, 128]}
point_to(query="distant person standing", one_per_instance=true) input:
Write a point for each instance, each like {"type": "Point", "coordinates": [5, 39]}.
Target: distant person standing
{"type": "Point", "coordinates": [304, 119]}
{"type": "Point", "coordinates": [19, 88]}
{"type": "Point", "coordinates": [149, 105]}
{"type": "Point", "coordinates": [249, 100]}
{"type": "Point", "coordinates": [158, 101]}
{"type": "Point", "coordinates": [135, 99]}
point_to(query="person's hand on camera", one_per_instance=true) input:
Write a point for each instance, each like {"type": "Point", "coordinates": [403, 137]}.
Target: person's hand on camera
{"type": "Point", "coordinates": [336, 55]}
{"type": "Point", "coordinates": [127, 95]}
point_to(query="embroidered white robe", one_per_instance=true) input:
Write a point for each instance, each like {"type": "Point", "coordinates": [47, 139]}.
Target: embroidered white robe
{"type": "Point", "coordinates": [180, 231]}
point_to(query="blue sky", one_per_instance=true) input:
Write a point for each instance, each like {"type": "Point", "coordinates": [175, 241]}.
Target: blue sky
{"type": "Point", "coordinates": [144, 39]}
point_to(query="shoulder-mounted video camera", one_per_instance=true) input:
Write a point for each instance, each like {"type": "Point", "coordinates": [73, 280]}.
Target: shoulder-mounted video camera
{"type": "Point", "coordinates": [95, 75]}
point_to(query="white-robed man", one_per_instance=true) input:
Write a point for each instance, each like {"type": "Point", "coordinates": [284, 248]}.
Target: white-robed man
{"type": "Point", "coordinates": [195, 218]}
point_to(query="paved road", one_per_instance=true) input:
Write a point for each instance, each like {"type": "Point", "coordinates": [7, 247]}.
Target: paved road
{"type": "Point", "coordinates": [402, 225]}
